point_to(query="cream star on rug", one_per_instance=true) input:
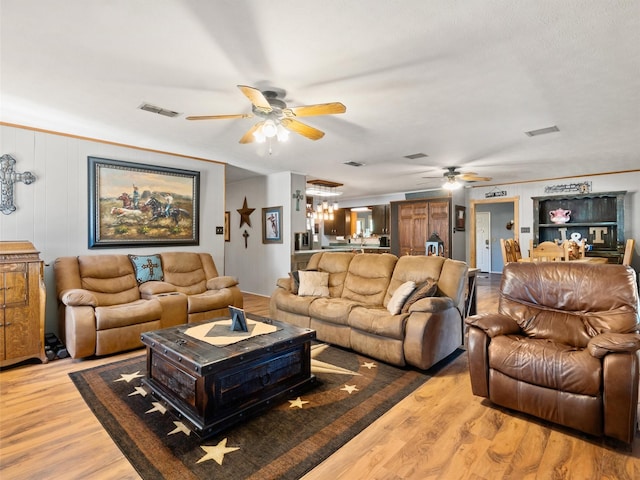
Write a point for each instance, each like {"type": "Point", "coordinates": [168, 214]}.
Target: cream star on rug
{"type": "Point", "coordinates": [138, 391]}
{"type": "Point", "coordinates": [369, 365]}
{"type": "Point", "coordinates": [298, 402]}
{"type": "Point", "coordinates": [157, 407]}
{"type": "Point", "coordinates": [350, 389]}
{"type": "Point", "coordinates": [180, 428]}
{"type": "Point", "coordinates": [217, 452]}
{"type": "Point", "coordinates": [127, 377]}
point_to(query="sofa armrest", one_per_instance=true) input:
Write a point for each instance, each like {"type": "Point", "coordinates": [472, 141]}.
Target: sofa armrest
{"type": "Point", "coordinates": [606, 343]}
{"type": "Point", "coordinates": [432, 305]}
{"type": "Point", "coordinates": [218, 283]}
{"type": "Point", "coordinates": [284, 282]}
{"type": "Point", "coordinates": [494, 324]}
{"type": "Point", "coordinates": [78, 297]}
{"type": "Point", "coordinates": [150, 289]}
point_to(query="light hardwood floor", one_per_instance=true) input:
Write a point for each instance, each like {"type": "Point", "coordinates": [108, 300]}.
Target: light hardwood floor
{"type": "Point", "coordinates": [441, 431]}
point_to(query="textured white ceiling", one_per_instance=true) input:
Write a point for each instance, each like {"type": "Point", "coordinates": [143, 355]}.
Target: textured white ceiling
{"type": "Point", "coordinates": [460, 81]}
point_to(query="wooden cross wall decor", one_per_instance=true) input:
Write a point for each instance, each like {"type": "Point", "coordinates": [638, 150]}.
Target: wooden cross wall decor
{"type": "Point", "coordinates": [246, 236]}
{"type": "Point", "coordinates": [8, 178]}
{"type": "Point", "coordinates": [297, 197]}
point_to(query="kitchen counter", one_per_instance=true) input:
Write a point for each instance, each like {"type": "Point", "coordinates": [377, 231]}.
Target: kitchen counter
{"type": "Point", "coordinates": [300, 258]}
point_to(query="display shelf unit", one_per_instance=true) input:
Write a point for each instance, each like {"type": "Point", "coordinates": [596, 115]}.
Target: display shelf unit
{"type": "Point", "coordinates": [598, 217]}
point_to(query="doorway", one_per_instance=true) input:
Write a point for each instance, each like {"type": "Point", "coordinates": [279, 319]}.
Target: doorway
{"type": "Point", "coordinates": [483, 241]}
{"type": "Point", "coordinates": [515, 201]}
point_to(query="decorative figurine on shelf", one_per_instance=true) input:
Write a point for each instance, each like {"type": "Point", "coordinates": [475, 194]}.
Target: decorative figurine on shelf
{"type": "Point", "coordinates": [560, 215]}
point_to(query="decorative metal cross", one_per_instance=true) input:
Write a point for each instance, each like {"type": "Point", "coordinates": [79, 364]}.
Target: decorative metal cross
{"type": "Point", "coordinates": [297, 197]}
{"type": "Point", "coordinates": [246, 236]}
{"type": "Point", "coordinates": [8, 177]}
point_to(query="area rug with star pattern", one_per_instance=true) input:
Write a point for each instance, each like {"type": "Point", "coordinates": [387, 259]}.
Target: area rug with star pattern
{"type": "Point", "coordinates": [284, 442]}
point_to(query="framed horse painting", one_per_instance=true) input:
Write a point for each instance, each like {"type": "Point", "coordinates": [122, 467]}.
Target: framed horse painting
{"type": "Point", "coordinates": [136, 205]}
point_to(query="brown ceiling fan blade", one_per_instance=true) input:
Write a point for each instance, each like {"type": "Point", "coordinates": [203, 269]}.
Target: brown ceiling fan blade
{"type": "Point", "coordinates": [302, 129]}
{"type": "Point", "coordinates": [256, 97]}
{"type": "Point", "coordinates": [219, 117]}
{"type": "Point", "coordinates": [248, 137]}
{"type": "Point", "coordinates": [472, 177]}
{"type": "Point", "coordinates": [319, 109]}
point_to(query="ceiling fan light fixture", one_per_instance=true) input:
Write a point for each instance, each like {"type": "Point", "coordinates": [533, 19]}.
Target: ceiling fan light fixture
{"type": "Point", "coordinates": [283, 134]}
{"type": "Point", "coordinates": [451, 184]}
{"type": "Point", "coordinates": [259, 136]}
{"type": "Point", "coordinates": [269, 129]}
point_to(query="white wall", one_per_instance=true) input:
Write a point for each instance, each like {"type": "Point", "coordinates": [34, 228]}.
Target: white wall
{"type": "Point", "coordinates": [259, 265]}
{"type": "Point", "coordinates": [628, 181]}
{"type": "Point", "coordinates": [52, 212]}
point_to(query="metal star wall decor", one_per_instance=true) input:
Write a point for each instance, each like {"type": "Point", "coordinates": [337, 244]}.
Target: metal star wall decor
{"type": "Point", "coordinates": [245, 213]}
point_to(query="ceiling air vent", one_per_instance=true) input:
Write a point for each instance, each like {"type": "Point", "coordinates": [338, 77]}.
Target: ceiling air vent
{"type": "Point", "coordinates": [542, 131]}
{"type": "Point", "coordinates": [415, 156]}
{"type": "Point", "coordinates": [160, 111]}
{"type": "Point", "coordinates": [354, 164]}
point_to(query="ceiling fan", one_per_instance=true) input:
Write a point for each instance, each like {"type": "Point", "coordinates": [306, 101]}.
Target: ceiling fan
{"type": "Point", "coordinates": [452, 175]}
{"type": "Point", "coordinates": [276, 118]}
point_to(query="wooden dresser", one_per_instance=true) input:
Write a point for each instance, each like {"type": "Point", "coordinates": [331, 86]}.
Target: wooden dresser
{"type": "Point", "coordinates": [22, 302]}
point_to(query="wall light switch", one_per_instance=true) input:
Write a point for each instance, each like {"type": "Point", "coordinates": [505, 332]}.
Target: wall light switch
{"type": "Point", "coordinates": [219, 230]}
{"type": "Point", "coordinates": [525, 229]}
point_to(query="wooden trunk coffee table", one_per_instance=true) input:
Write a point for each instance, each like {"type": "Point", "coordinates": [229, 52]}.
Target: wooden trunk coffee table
{"type": "Point", "coordinates": [213, 387]}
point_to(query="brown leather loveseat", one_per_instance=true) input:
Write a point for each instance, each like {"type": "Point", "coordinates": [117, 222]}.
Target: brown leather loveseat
{"type": "Point", "coordinates": [563, 346]}
{"type": "Point", "coordinates": [106, 301]}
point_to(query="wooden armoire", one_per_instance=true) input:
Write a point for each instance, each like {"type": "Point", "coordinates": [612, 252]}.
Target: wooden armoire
{"type": "Point", "coordinates": [22, 302]}
{"type": "Point", "coordinates": [417, 220]}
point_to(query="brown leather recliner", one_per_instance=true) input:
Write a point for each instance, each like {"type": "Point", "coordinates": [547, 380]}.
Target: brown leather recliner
{"type": "Point", "coordinates": [563, 346]}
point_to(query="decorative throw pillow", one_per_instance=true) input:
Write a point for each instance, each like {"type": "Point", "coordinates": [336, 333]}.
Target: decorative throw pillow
{"type": "Point", "coordinates": [399, 296]}
{"type": "Point", "coordinates": [147, 267]}
{"type": "Point", "coordinates": [295, 282]}
{"type": "Point", "coordinates": [314, 284]}
{"type": "Point", "coordinates": [426, 289]}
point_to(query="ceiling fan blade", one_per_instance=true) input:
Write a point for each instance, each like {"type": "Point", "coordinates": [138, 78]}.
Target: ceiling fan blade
{"type": "Point", "coordinates": [256, 97]}
{"type": "Point", "coordinates": [302, 129]}
{"type": "Point", "coordinates": [472, 177]}
{"type": "Point", "coordinates": [249, 137]}
{"type": "Point", "coordinates": [220, 117]}
{"type": "Point", "coordinates": [318, 109]}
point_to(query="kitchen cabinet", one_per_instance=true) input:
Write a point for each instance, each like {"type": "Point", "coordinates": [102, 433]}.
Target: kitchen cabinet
{"type": "Point", "coordinates": [598, 217]}
{"type": "Point", "coordinates": [340, 225]}
{"type": "Point", "coordinates": [381, 219]}
{"type": "Point", "coordinates": [22, 297]}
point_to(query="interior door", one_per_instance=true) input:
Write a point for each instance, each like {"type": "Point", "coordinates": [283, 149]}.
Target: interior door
{"type": "Point", "coordinates": [483, 241]}
{"type": "Point", "coordinates": [412, 228]}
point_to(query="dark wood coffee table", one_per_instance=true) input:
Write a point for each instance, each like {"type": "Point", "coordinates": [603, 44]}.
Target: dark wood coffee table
{"type": "Point", "coordinates": [214, 387]}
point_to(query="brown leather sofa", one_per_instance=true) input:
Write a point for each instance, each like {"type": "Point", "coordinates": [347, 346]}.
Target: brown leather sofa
{"type": "Point", "coordinates": [102, 309]}
{"type": "Point", "coordinates": [354, 315]}
{"type": "Point", "coordinates": [564, 346]}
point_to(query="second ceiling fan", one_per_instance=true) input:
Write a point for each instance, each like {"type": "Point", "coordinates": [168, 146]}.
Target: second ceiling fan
{"type": "Point", "coordinates": [275, 115]}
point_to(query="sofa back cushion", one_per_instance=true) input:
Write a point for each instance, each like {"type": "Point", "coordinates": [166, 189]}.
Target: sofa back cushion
{"type": "Point", "coordinates": [337, 264]}
{"type": "Point", "coordinates": [570, 302]}
{"type": "Point", "coordinates": [418, 269]}
{"type": "Point", "coordinates": [110, 277]}
{"type": "Point", "coordinates": [368, 278]}
{"type": "Point", "coordinates": [184, 270]}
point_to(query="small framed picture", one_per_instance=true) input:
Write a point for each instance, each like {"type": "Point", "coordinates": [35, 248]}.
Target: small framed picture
{"type": "Point", "coordinates": [460, 218]}
{"type": "Point", "coordinates": [238, 319]}
{"type": "Point", "coordinates": [272, 225]}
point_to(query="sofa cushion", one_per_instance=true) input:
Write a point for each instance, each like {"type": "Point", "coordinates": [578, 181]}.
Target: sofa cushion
{"type": "Point", "coordinates": [424, 290]}
{"type": "Point", "coordinates": [368, 277]}
{"type": "Point", "coordinates": [295, 282]}
{"type": "Point", "coordinates": [337, 264]}
{"type": "Point", "coordinates": [419, 268]}
{"type": "Point", "coordinates": [289, 302]}
{"type": "Point", "coordinates": [219, 283]}
{"type": "Point", "coordinates": [147, 267]}
{"type": "Point", "coordinates": [400, 296]}
{"type": "Point", "coordinates": [184, 270]}
{"type": "Point", "coordinates": [109, 277]}
{"type": "Point", "coordinates": [314, 284]}
{"type": "Point", "coordinates": [140, 311]}
{"type": "Point", "coordinates": [547, 364]}
{"type": "Point", "coordinates": [378, 321]}
{"type": "Point", "coordinates": [209, 300]}
{"type": "Point", "coordinates": [333, 310]}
